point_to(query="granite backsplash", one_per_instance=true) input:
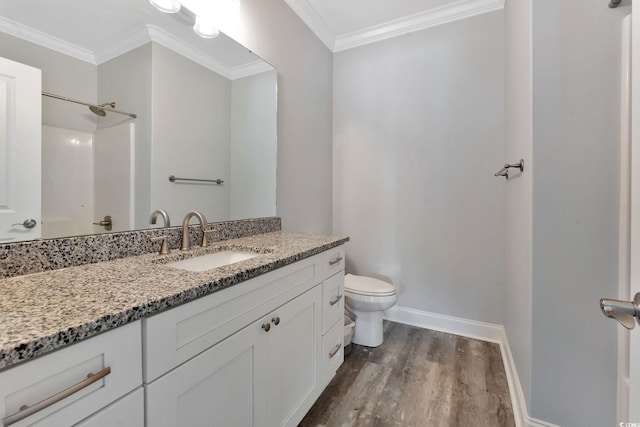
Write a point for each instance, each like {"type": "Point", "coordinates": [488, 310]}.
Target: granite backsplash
{"type": "Point", "coordinates": [51, 254]}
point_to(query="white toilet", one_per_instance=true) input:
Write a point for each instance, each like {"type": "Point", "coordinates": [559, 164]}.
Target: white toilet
{"type": "Point", "coordinates": [367, 298]}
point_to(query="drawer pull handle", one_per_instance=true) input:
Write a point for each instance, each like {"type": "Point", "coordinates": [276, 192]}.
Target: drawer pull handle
{"type": "Point", "coordinates": [334, 351]}
{"type": "Point", "coordinates": [335, 261]}
{"type": "Point", "coordinates": [335, 300]}
{"type": "Point", "coordinates": [26, 411]}
{"type": "Point", "coordinates": [276, 320]}
{"type": "Point", "coordinates": [266, 326]}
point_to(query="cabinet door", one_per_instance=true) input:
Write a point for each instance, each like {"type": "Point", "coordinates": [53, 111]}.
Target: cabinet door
{"type": "Point", "coordinates": [295, 367]}
{"type": "Point", "coordinates": [126, 412]}
{"type": "Point", "coordinates": [223, 386]}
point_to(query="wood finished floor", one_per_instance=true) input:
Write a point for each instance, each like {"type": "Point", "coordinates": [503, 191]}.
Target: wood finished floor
{"type": "Point", "coordinates": [418, 378]}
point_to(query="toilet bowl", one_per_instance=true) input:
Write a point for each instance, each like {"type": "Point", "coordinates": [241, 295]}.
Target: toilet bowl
{"type": "Point", "coordinates": [367, 298]}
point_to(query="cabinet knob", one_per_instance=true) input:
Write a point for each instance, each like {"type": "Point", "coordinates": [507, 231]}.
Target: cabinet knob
{"type": "Point", "coordinates": [266, 326]}
{"type": "Point", "coordinates": [276, 320]}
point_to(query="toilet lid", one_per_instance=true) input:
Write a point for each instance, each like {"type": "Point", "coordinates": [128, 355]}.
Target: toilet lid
{"type": "Point", "coordinates": [367, 286]}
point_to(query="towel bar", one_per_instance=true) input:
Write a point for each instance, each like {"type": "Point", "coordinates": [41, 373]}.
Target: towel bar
{"type": "Point", "coordinates": [175, 178]}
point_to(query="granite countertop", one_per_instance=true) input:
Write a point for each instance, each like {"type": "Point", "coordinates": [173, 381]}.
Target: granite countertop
{"type": "Point", "coordinates": [45, 311]}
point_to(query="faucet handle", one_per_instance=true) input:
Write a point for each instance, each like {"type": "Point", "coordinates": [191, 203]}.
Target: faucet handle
{"type": "Point", "coordinates": [205, 234]}
{"type": "Point", "coordinates": [164, 247]}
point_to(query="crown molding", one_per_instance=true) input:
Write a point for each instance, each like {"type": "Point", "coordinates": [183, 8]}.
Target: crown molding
{"type": "Point", "coordinates": [123, 45]}
{"type": "Point", "coordinates": [309, 16]}
{"type": "Point", "coordinates": [40, 38]}
{"type": "Point", "coordinates": [127, 43]}
{"type": "Point", "coordinates": [250, 69]}
{"type": "Point", "coordinates": [429, 18]}
{"type": "Point", "coordinates": [175, 44]}
{"type": "Point", "coordinates": [420, 21]}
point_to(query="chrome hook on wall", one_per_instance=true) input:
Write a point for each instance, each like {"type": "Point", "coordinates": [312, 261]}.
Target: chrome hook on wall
{"type": "Point", "coordinates": [505, 169]}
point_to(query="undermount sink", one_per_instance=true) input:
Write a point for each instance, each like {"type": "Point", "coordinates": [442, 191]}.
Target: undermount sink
{"type": "Point", "coordinates": [213, 260]}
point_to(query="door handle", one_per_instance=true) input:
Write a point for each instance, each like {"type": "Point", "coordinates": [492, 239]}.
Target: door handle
{"type": "Point", "coordinates": [625, 312]}
{"type": "Point", "coordinates": [27, 223]}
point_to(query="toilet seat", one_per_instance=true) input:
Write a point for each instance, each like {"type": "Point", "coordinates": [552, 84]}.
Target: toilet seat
{"type": "Point", "coordinates": [367, 286]}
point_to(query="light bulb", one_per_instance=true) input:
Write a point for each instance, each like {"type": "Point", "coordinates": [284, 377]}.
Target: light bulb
{"type": "Point", "coordinates": [205, 28]}
{"type": "Point", "coordinates": [166, 6]}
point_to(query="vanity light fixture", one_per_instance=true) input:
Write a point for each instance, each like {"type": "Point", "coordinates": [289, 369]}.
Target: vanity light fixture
{"type": "Point", "coordinates": [166, 6]}
{"type": "Point", "coordinates": [205, 12]}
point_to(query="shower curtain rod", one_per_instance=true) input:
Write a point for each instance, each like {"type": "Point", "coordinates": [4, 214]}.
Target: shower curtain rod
{"type": "Point", "coordinates": [110, 110]}
{"type": "Point", "coordinates": [614, 3]}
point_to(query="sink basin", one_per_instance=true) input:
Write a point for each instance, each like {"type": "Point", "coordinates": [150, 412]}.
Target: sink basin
{"type": "Point", "coordinates": [213, 260]}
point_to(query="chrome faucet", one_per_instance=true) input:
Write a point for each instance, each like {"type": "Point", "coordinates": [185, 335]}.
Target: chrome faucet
{"type": "Point", "coordinates": [185, 230]}
{"type": "Point", "coordinates": [163, 214]}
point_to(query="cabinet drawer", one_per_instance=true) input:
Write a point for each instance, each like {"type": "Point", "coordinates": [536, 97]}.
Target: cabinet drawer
{"type": "Point", "coordinates": [332, 352]}
{"type": "Point", "coordinates": [117, 351]}
{"type": "Point", "coordinates": [175, 336]}
{"type": "Point", "coordinates": [332, 261]}
{"type": "Point", "coordinates": [126, 412]}
{"type": "Point", "coordinates": [333, 300]}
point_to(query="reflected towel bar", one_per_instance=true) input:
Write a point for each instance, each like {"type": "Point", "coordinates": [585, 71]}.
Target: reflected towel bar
{"type": "Point", "coordinates": [175, 178]}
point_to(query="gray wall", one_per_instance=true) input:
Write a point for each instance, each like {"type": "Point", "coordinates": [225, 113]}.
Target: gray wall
{"type": "Point", "coordinates": [418, 134]}
{"type": "Point", "coordinates": [61, 75]}
{"type": "Point", "coordinates": [576, 96]}
{"type": "Point", "coordinates": [254, 146]}
{"type": "Point", "coordinates": [518, 292]}
{"type": "Point", "coordinates": [273, 32]}
{"type": "Point", "coordinates": [127, 80]}
{"type": "Point", "coordinates": [179, 148]}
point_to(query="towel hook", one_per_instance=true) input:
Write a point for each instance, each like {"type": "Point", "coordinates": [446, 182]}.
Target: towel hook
{"type": "Point", "coordinates": [505, 169]}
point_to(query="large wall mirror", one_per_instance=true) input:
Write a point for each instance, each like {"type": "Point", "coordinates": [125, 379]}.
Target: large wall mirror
{"type": "Point", "coordinates": [205, 110]}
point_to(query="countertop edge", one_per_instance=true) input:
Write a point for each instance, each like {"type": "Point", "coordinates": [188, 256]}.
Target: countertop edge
{"type": "Point", "coordinates": [25, 351]}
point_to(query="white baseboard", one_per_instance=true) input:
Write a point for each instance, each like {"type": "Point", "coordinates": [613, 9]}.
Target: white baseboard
{"type": "Point", "coordinates": [478, 330]}
{"type": "Point", "coordinates": [439, 322]}
{"type": "Point", "coordinates": [532, 422]}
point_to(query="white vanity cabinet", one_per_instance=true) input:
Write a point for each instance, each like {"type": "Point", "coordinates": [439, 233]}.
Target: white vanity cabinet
{"type": "Point", "coordinates": [260, 376]}
{"type": "Point", "coordinates": [251, 355]}
{"type": "Point", "coordinates": [104, 369]}
{"type": "Point", "coordinates": [258, 353]}
{"type": "Point", "coordinates": [332, 313]}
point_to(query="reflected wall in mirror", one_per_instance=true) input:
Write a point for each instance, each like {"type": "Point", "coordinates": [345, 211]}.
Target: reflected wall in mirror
{"type": "Point", "coordinates": [206, 109]}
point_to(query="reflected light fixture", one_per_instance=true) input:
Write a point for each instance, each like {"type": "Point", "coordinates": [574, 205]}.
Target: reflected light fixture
{"type": "Point", "coordinates": [166, 6]}
{"type": "Point", "coordinates": [205, 12]}
{"type": "Point", "coordinates": [205, 28]}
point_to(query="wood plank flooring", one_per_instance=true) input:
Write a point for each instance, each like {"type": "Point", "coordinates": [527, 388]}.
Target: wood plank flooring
{"type": "Point", "coordinates": [417, 378]}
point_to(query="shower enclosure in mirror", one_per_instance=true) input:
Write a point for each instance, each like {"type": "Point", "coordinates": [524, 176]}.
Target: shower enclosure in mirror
{"type": "Point", "coordinates": [205, 109]}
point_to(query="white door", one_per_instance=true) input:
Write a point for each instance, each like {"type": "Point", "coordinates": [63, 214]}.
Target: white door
{"type": "Point", "coordinates": [634, 352]}
{"type": "Point", "coordinates": [20, 134]}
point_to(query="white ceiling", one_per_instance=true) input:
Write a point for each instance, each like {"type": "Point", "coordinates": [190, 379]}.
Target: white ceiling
{"type": "Point", "coordinates": [344, 24]}
{"type": "Point", "coordinates": [98, 30]}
